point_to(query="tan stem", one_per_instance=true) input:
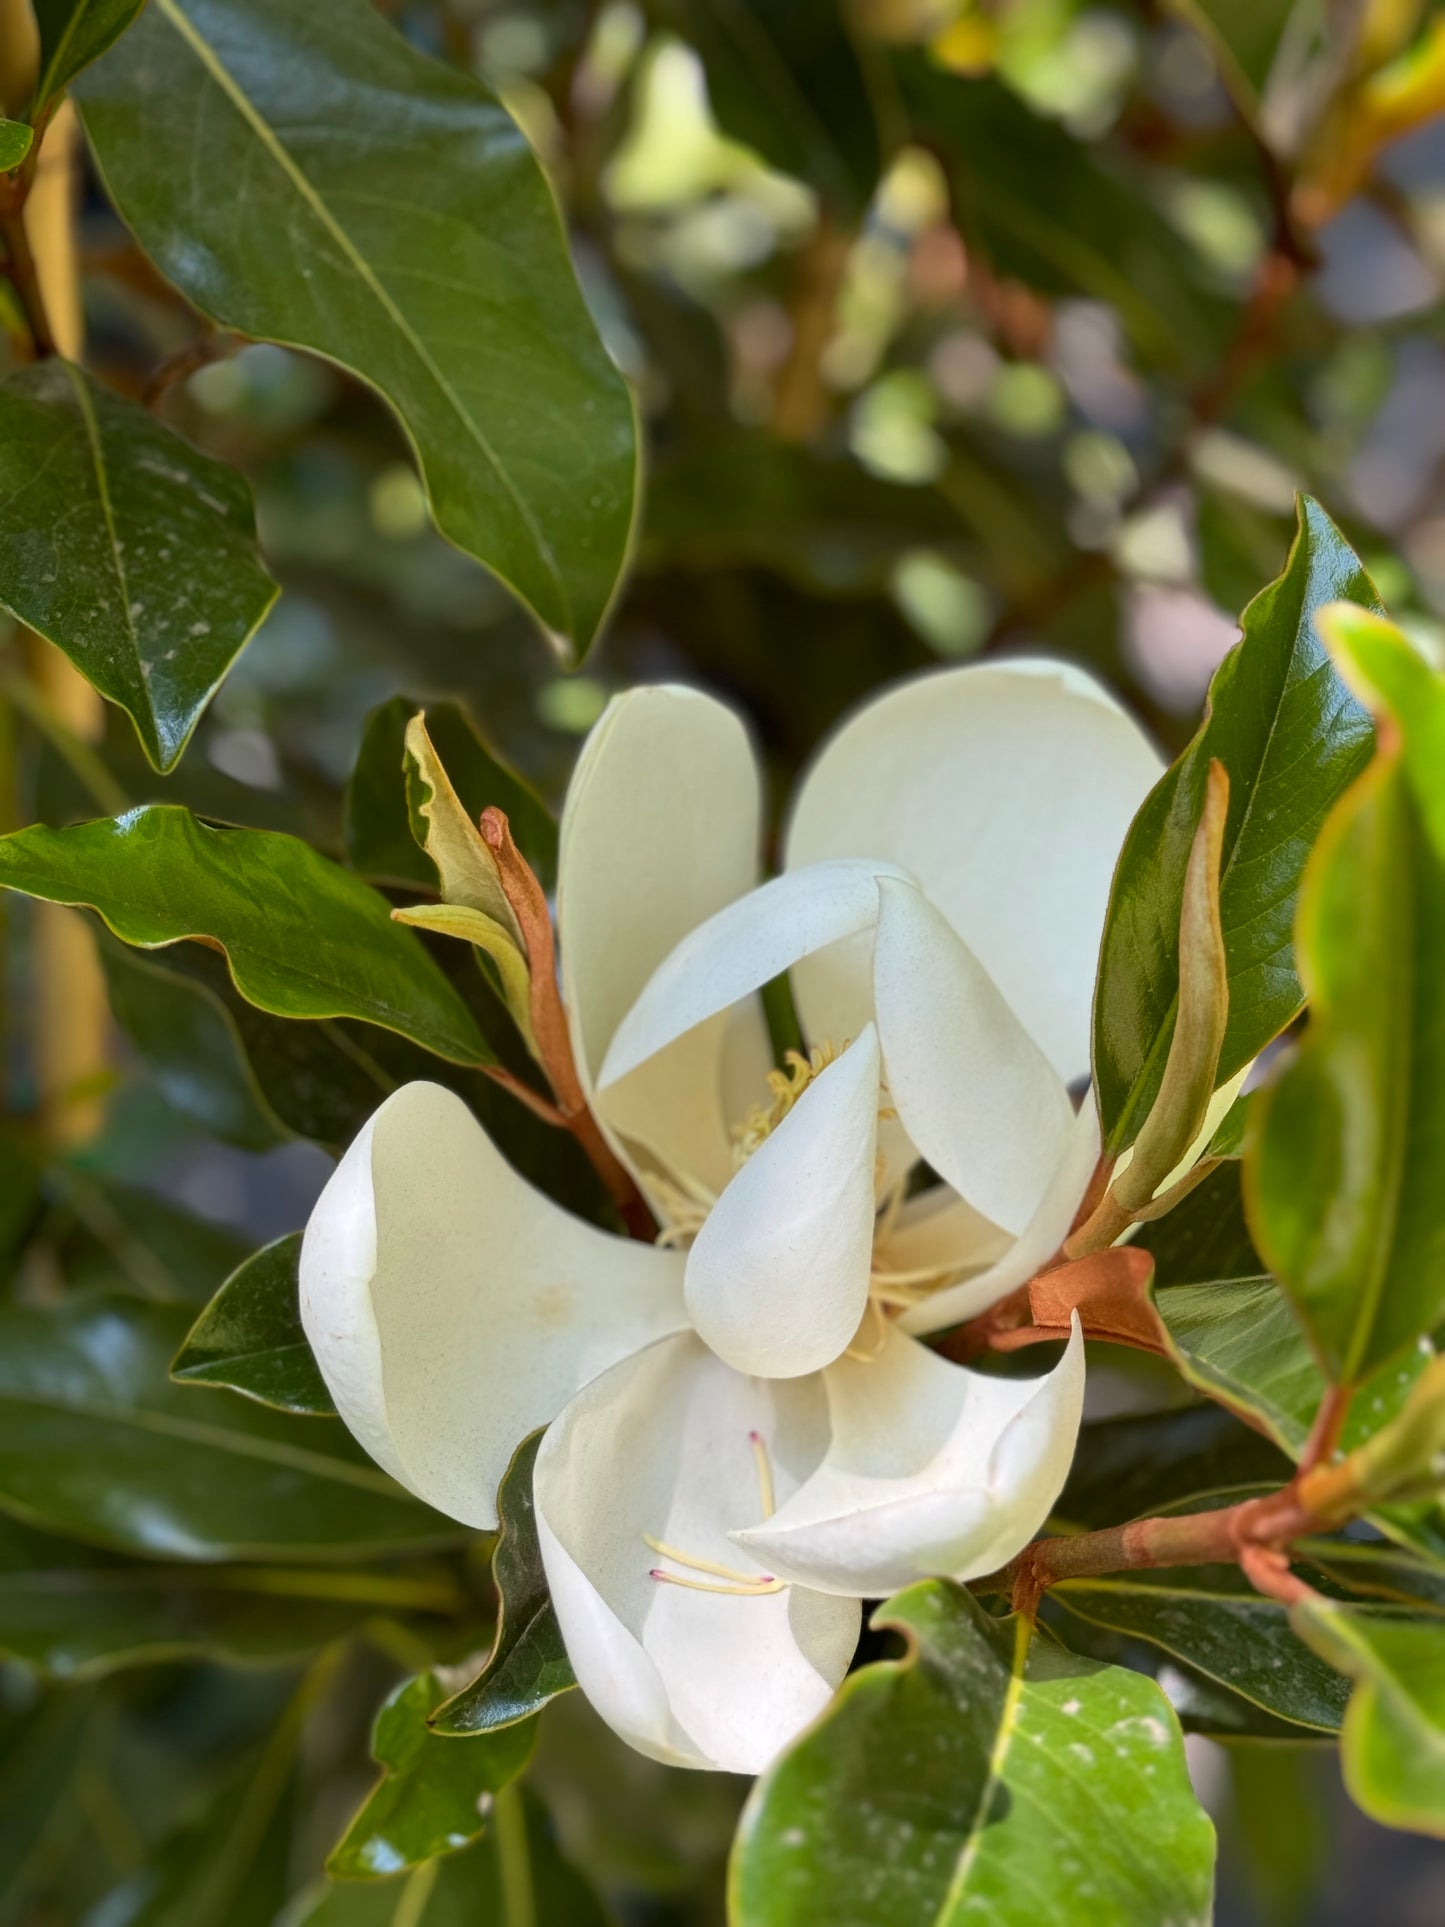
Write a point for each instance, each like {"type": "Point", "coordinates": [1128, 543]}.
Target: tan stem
{"type": "Point", "coordinates": [528, 901]}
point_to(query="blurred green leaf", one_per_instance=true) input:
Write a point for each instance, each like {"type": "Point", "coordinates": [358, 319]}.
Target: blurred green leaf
{"type": "Point", "coordinates": [380, 842]}
{"type": "Point", "coordinates": [513, 1874]}
{"type": "Point", "coordinates": [250, 1336]}
{"type": "Point", "coordinates": [71, 1611]}
{"type": "Point", "coordinates": [132, 552]}
{"type": "Point", "coordinates": [15, 139]}
{"type": "Point", "coordinates": [434, 1796]}
{"type": "Point", "coordinates": [988, 1772]}
{"type": "Point", "coordinates": [423, 251]}
{"type": "Point", "coordinates": [96, 1440]}
{"type": "Point", "coordinates": [1343, 1174]}
{"type": "Point", "coordinates": [72, 34]}
{"type": "Point", "coordinates": [1292, 738]}
{"type": "Point", "coordinates": [528, 1663]}
{"type": "Point", "coordinates": [1244, 36]}
{"type": "Point", "coordinates": [1212, 1619]}
{"type": "Point", "coordinates": [304, 938]}
{"type": "Point", "coordinates": [1393, 1745]}
{"type": "Point", "coordinates": [110, 1236]}
{"type": "Point", "coordinates": [787, 78]}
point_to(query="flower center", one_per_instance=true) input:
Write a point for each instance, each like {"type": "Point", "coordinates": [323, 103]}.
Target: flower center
{"type": "Point", "coordinates": [787, 1086]}
{"type": "Point", "coordinates": [725, 1579]}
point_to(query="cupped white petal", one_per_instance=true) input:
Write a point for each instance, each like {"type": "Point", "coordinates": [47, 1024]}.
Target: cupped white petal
{"type": "Point", "coordinates": [777, 1280]}
{"type": "Point", "coordinates": [742, 948]}
{"type": "Point", "coordinates": [973, 1090]}
{"type": "Point", "coordinates": [453, 1309]}
{"type": "Point", "coordinates": [1031, 1251]}
{"type": "Point", "coordinates": [661, 828]}
{"type": "Point", "coordinates": [662, 1448]}
{"type": "Point", "coordinates": [1005, 790]}
{"type": "Point", "coordinates": [933, 1471]}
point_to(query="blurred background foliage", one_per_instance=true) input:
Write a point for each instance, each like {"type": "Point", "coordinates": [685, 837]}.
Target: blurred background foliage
{"type": "Point", "coordinates": [955, 327]}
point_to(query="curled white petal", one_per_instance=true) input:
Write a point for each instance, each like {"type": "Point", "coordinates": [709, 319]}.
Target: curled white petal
{"type": "Point", "coordinates": [933, 1471]}
{"type": "Point", "coordinates": [453, 1309]}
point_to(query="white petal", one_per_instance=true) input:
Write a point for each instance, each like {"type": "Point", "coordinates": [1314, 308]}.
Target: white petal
{"type": "Point", "coordinates": [974, 1092]}
{"type": "Point", "coordinates": [742, 948]}
{"type": "Point", "coordinates": [453, 1309]}
{"type": "Point", "coordinates": [778, 1278]}
{"type": "Point", "coordinates": [933, 1472]}
{"type": "Point", "coordinates": [1005, 790]}
{"type": "Point", "coordinates": [1030, 1252]}
{"type": "Point", "coordinates": [937, 1230]}
{"type": "Point", "coordinates": [661, 828]}
{"type": "Point", "coordinates": [661, 1446]}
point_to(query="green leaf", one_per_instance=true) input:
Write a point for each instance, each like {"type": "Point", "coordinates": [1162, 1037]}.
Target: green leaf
{"type": "Point", "coordinates": [70, 1611]}
{"type": "Point", "coordinates": [190, 1041]}
{"type": "Point", "coordinates": [1292, 738]}
{"type": "Point", "coordinates": [423, 251]}
{"type": "Point", "coordinates": [250, 1338]}
{"type": "Point", "coordinates": [303, 937]}
{"type": "Point", "coordinates": [97, 1441]}
{"type": "Point", "coordinates": [514, 1874]}
{"type": "Point", "coordinates": [528, 1663]}
{"type": "Point", "coordinates": [786, 77]}
{"type": "Point", "coordinates": [132, 552]}
{"type": "Point", "coordinates": [72, 34]}
{"type": "Point", "coordinates": [1135, 1466]}
{"type": "Point", "coordinates": [15, 139]}
{"type": "Point", "coordinates": [1213, 1621]}
{"type": "Point", "coordinates": [1393, 1745]}
{"type": "Point", "coordinates": [1244, 36]}
{"type": "Point", "coordinates": [434, 1795]}
{"type": "Point", "coordinates": [1343, 1175]}
{"type": "Point", "coordinates": [1205, 1236]}
{"type": "Point", "coordinates": [983, 1776]}
{"type": "Point", "coordinates": [381, 842]}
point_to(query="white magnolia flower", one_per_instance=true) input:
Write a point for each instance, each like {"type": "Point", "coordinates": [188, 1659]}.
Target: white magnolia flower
{"type": "Point", "coordinates": [746, 1435]}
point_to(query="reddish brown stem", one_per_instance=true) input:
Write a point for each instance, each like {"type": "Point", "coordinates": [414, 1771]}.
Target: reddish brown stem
{"type": "Point", "coordinates": [549, 1023]}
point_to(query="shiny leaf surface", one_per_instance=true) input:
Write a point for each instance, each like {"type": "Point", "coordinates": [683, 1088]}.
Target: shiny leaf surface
{"type": "Point", "coordinates": [303, 937]}
{"type": "Point", "coordinates": [250, 1337]}
{"type": "Point", "coordinates": [96, 1440]}
{"type": "Point", "coordinates": [978, 1777]}
{"type": "Point", "coordinates": [73, 33]}
{"type": "Point", "coordinates": [423, 250]}
{"type": "Point", "coordinates": [434, 1795]}
{"type": "Point", "coordinates": [132, 552]}
{"type": "Point", "coordinates": [1292, 738]}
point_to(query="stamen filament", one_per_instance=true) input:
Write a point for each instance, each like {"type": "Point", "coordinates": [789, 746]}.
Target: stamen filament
{"type": "Point", "coordinates": [746, 1589]}
{"type": "Point", "coordinates": [765, 1473]}
{"type": "Point", "coordinates": [699, 1565]}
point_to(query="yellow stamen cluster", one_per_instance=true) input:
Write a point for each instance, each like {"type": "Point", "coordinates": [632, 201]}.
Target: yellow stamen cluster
{"type": "Point", "coordinates": [787, 1086]}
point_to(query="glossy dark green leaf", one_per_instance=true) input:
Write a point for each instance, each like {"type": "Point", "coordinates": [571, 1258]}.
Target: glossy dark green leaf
{"type": "Point", "coordinates": [528, 1664]}
{"type": "Point", "coordinates": [1393, 1745]}
{"type": "Point", "coordinates": [434, 1795]}
{"type": "Point", "coordinates": [73, 33]}
{"type": "Point", "coordinates": [1373, 1570]}
{"type": "Point", "coordinates": [513, 1874]}
{"type": "Point", "coordinates": [15, 139]}
{"type": "Point", "coordinates": [132, 552]}
{"type": "Point", "coordinates": [250, 1337]}
{"type": "Point", "coordinates": [96, 1440]}
{"type": "Point", "coordinates": [304, 938]}
{"type": "Point", "coordinates": [1292, 738]}
{"type": "Point", "coordinates": [1343, 1175]}
{"type": "Point", "coordinates": [980, 1777]}
{"type": "Point", "coordinates": [71, 1611]}
{"type": "Point", "coordinates": [191, 1044]}
{"type": "Point", "coordinates": [1211, 1619]}
{"type": "Point", "coordinates": [380, 841]}
{"type": "Point", "coordinates": [423, 250]}
{"type": "Point", "coordinates": [787, 78]}
{"type": "Point", "coordinates": [1135, 1466]}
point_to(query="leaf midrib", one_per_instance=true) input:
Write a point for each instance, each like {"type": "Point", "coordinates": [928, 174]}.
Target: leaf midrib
{"type": "Point", "coordinates": [271, 142]}
{"type": "Point", "coordinates": [997, 1760]}
{"type": "Point", "coordinates": [214, 1437]}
